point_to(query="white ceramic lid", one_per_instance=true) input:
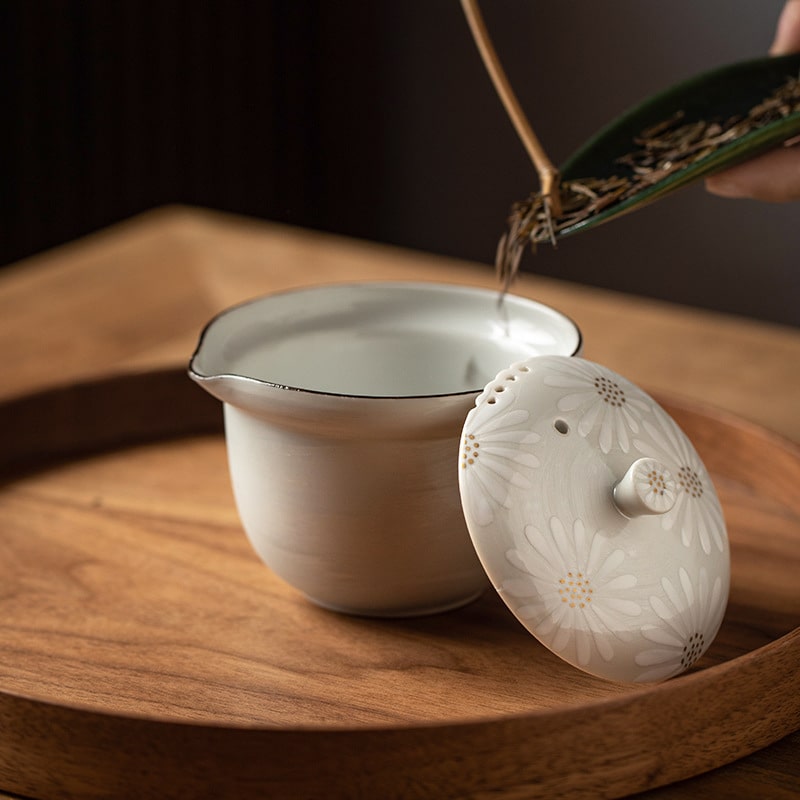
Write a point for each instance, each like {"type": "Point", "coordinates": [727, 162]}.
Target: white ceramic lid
{"type": "Point", "coordinates": [595, 519]}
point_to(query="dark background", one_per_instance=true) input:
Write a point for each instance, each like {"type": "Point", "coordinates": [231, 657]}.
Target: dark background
{"type": "Point", "coordinates": [374, 119]}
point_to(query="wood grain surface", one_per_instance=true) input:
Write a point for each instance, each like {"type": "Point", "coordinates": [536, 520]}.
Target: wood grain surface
{"type": "Point", "coordinates": [144, 650]}
{"type": "Point", "coordinates": [135, 611]}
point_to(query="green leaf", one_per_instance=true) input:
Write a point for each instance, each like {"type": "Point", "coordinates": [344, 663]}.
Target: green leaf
{"type": "Point", "coordinates": [716, 95]}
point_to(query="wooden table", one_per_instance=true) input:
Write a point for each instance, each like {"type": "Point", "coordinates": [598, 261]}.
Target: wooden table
{"type": "Point", "coordinates": [134, 298]}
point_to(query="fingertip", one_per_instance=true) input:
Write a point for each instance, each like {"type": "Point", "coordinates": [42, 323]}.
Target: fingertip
{"type": "Point", "coordinates": [772, 178]}
{"type": "Point", "coordinates": [722, 186]}
{"type": "Point", "coordinates": [787, 32]}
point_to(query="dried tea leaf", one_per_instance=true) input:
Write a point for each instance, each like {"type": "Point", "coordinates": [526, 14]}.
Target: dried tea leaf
{"type": "Point", "coordinates": [660, 150]}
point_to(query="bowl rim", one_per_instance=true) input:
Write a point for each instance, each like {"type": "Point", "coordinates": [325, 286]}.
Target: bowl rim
{"type": "Point", "coordinates": [202, 377]}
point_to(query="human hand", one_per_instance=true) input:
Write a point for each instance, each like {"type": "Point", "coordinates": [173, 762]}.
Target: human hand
{"type": "Point", "coordinates": [775, 176]}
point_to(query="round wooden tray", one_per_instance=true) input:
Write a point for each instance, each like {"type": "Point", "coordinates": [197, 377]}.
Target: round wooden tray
{"type": "Point", "coordinates": [145, 651]}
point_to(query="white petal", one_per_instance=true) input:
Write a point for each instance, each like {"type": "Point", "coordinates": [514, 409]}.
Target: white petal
{"type": "Point", "coordinates": [583, 648]}
{"type": "Point", "coordinates": [660, 636]}
{"type": "Point", "coordinates": [587, 421]}
{"type": "Point", "coordinates": [561, 542]}
{"type": "Point", "coordinates": [604, 647]}
{"type": "Point", "coordinates": [627, 607]}
{"type": "Point", "coordinates": [686, 584]}
{"type": "Point", "coordinates": [561, 639]}
{"type": "Point", "coordinates": [674, 597]}
{"type": "Point", "coordinates": [606, 439]}
{"type": "Point", "coordinates": [614, 559]}
{"type": "Point", "coordinates": [543, 547]}
{"type": "Point", "coordinates": [660, 607]}
{"type": "Point", "coordinates": [519, 587]}
{"type": "Point", "coordinates": [630, 418]}
{"type": "Point", "coordinates": [620, 582]}
{"type": "Point", "coordinates": [654, 656]}
{"type": "Point", "coordinates": [479, 507]}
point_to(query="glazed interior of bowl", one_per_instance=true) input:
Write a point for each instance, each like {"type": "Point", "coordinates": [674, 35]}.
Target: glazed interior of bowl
{"type": "Point", "coordinates": [381, 339]}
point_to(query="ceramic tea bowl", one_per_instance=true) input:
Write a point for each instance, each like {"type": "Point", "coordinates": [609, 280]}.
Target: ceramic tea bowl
{"type": "Point", "coordinates": [343, 407]}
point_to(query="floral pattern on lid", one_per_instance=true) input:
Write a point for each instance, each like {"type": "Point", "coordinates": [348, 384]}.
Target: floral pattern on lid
{"type": "Point", "coordinates": [688, 612]}
{"type": "Point", "coordinates": [595, 519]}
{"type": "Point", "coordinates": [574, 590]}
{"type": "Point", "coordinates": [606, 403]}
{"type": "Point", "coordinates": [697, 511]}
{"type": "Point", "coordinates": [494, 454]}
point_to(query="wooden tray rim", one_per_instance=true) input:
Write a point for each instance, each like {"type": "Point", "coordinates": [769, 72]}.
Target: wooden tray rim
{"type": "Point", "coordinates": [191, 414]}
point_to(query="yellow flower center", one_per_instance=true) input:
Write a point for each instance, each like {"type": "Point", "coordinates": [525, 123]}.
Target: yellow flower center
{"type": "Point", "coordinates": [690, 482]}
{"type": "Point", "coordinates": [609, 391]}
{"type": "Point", "coordinates": [469, 450]}
{"type": "Point", "coordinates": [575, 590]}
{"type": "Point", "coordinates": [692, 650]}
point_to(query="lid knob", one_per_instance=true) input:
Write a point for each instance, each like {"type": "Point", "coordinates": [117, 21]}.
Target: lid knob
{"type": "Point", "coordinates": [646, 488]}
